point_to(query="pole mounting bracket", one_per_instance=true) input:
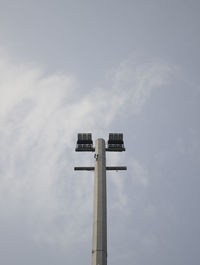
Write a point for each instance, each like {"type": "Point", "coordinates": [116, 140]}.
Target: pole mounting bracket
{"type": "Point", "coordinates": [92, 168]}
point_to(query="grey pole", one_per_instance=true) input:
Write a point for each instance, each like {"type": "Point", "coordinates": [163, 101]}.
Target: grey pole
{"type": "Point", "coordinates": [99, 243]}
{"type": "Point", "coordinates": [85, 144]}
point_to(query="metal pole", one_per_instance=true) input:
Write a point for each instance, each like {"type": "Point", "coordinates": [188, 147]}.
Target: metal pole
{"type": "Point", "coordinates": [115, 144]}
{"type": "Point", "coordinates": [99, 244]}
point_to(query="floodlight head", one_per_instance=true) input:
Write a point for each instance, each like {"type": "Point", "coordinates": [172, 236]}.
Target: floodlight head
{"type": "Point", "coordinates": [115, 142]}
{"type": "Point", "coordinates": [84, 142]}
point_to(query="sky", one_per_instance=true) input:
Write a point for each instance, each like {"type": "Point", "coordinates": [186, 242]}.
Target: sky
{"type": "Point", "coordinates": [99, 66]}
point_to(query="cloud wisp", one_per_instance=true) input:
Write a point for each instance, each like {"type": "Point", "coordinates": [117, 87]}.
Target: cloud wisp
{"type": "Point", "coordinates": [40, 115]}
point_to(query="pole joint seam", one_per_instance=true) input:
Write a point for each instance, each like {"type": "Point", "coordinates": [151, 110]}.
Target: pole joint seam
{"type": "Point", "coordinates": [93, 251]}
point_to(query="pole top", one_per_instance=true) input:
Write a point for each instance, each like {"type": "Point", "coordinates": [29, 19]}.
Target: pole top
{"type": "Point", "coordinates": [115, 142]}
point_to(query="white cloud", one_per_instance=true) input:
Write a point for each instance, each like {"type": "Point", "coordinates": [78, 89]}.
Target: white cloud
{"type": "Point", "coordinates": [39, 117]}
{"type": "Point", "coordinates": [134, 81]}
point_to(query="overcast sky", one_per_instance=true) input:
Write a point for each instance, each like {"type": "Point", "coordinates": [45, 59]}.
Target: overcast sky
{"type": "Point", "coordinates": [70, 66]}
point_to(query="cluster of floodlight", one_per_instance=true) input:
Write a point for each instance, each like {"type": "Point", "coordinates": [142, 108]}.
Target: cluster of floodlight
{"type": "Point", "coordinates": [84, 142]}
{"type": "Point", "coordinates": [115, 142]}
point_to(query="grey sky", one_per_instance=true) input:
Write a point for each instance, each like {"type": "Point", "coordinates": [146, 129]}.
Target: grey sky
{"type": "Point", "coordinates": [134, 67]}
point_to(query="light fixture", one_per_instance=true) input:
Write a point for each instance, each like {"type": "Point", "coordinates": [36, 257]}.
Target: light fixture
{"type": "Point", "coordinates": [84, 142]}
{"type": "Point", "coordinates": [115, 142]}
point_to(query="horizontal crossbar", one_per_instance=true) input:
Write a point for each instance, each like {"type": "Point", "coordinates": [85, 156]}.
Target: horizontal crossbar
{"type": "Point", "coordinates": [84, 168]}
{"type": "Point", "coordinates": [87, 149]}
{"type": "Point", "coordinates": [116, 168]}
{"type": "Point", "coordinates": [92, 168]}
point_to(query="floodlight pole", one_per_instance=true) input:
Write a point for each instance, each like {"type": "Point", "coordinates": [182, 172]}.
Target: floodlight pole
{"type": "Point", "coordinates": [116, 144]}
{"type": "Point", "coordinates": [99, 242]}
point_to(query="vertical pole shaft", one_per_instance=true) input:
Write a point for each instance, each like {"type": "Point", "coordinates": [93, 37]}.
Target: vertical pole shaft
{"type": "Point", "coordinates": [99, 244]}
